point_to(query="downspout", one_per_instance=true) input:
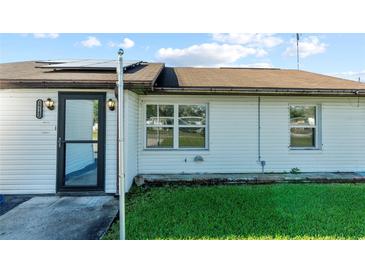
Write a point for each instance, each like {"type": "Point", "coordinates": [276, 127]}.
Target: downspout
{"type": "Point", "coordinates": [121, 127]}
{"type": "Point", "coordinates": [117, 150]}
{"type": "Point", "coordinates": [259, 157]}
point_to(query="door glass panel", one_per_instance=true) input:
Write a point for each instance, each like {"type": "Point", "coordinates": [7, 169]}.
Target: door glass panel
{"type": "Point", "coordinates": [81, 120]}
{"type": "Point", "coordinates": [81, 164]}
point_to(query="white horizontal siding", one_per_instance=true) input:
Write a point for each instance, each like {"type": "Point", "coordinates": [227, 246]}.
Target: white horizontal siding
{"type": "Point", "coordinates": [233, 137]}
{"type": "Point", "coordinates": [131, 142]}
{"type": "Point", "coordinates": [342, 135]}
{"type": "Point", "coordinates": [28, 145]}
{"type": "Point", "coordinates": [111, 148]}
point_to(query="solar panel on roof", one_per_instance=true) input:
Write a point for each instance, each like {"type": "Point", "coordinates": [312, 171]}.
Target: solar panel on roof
{"type": "Point", "coordinates": [88, 64]}
{"type": "Point", "coordinates": [57, 61]}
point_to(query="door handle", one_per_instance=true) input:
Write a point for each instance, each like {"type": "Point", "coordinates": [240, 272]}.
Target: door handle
{"type": "Point", "coordinates": [59, 142]}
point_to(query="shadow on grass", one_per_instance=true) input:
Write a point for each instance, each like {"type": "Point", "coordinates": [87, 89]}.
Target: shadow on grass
{"type": "Point", "coordinates": [285, 211]}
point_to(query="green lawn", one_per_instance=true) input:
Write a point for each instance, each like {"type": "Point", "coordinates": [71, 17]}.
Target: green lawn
{"type": "Point", "coordinates": [280, 211]}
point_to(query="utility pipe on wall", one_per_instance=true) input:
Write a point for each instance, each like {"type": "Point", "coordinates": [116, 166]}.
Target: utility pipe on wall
{"type": "Point", "coordinates": [259, 129]}
{"type": "Point", "coordinates": [121, 137]}
{"type": "Point", "coordinates": [259, 157]}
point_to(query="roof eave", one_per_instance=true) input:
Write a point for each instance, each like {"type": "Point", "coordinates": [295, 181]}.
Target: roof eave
{"type": "Point", "coordinates": [28, 84]}
{"type": "Point", "coordinates": [258, 91]}
{"type": "Point", "coordinates": [156, 77]}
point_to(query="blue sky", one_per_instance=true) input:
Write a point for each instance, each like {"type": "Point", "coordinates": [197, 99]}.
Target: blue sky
{"type": "Point", "coordinates": [340, 55]}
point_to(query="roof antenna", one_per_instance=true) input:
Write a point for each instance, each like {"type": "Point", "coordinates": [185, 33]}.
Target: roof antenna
{"type": "Point", "coordinates": [298, 51]}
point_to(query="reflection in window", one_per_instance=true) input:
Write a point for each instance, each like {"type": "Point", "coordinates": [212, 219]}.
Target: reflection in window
{"type": "Point", "coordinates": [158, 115]}
{"type": "Point", "coordinates": [81, 120]}
{"type": "Point", "coordinates": [184, 123]}
{"type": "Point", "coordinates": [303, 115]}
{"type": "Point", "coordinates": [303, 126]}
{"type": "Point", "coordinates": [191, 137]}
{"type": "Point", "coordinates": [166, 114]}
{"type": "Point", "coordinates": [192, 126]}
{"type": "Point", "coordinates": [159, 126]}
{"type": "Point", "coordinates": [160, 137]}
{"type": "Point", "coordinates": [192, 115]}
{"type": "Point", "coordinates": [81, 164]}
{"type": "Point", "coordinates": [302, 137]}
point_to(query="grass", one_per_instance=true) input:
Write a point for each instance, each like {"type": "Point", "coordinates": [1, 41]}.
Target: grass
{"type": "Point", "coordinates": [280, 211]}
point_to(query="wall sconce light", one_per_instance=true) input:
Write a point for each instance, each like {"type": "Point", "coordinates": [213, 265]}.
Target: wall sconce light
{"type": "Point", "coordinates": [49, 104]}
{"type": "Point", "coordinates": [111, 104]}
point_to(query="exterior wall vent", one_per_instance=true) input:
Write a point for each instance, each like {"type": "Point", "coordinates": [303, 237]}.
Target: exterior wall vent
{"type": "Point", "coordinates": [198, 158]}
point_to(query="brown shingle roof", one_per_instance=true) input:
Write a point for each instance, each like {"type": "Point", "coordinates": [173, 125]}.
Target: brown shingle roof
{"type": "Point", "coordinates": [233, 78]}
{"type": "Point", "coordinates": [27, 74]}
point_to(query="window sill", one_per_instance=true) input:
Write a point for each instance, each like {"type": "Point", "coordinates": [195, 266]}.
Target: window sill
{"type": "Point", "coordinates": [176, 149]}
{"type": "Point", "coordinates": [305, 149]}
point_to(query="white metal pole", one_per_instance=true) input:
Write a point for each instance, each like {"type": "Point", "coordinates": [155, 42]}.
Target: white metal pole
{"type": "Point", "coordinates": [121, 131]}
{"type": "Point", "coordinates": [298, 51]}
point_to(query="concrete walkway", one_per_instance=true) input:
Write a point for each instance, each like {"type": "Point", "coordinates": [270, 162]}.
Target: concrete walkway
{"type": "Point", "coordinates": [8, 202]}
{"type": "Point", "coordinates": [252, 178]}
{"type": "Point", "coordinates": [58, 218]}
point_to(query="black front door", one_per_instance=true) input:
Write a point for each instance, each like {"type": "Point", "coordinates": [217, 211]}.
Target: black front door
{"type": "Point", "coordinates": [81, 142]}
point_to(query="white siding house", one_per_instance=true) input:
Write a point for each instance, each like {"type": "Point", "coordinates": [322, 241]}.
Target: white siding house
{"type": "Point", "coordinates": [28, 145]}
{"type": "Point", "coordinates": [177, 121]}
{"type": "Point", "coordinates": [233, 136]}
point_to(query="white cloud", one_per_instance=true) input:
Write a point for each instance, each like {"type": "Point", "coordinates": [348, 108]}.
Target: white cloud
{"type": "Point", "coordinates": [207, 54]}
{"type": "Point", "coordinates": [250, 39]}
{"type": "Point", "coordinates": [350, 75]}
{"type": "Point", "coordinates": [126, 44]}
{"type": "Point", "coordinates": [308, 46]}
{"type": "Point", "coordinates": [112, 44]}
{"type": "Point", "coordinates": [261, 53]}
{"type": "Point", "coordinates": [46, 35]}
{"type": "Point", "coordinates": [90, 42]}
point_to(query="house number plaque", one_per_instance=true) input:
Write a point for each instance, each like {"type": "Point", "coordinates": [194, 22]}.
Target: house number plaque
{"type": "Point", "coordinates": [39, 109]}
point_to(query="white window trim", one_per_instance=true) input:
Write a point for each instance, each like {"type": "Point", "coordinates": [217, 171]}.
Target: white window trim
{"type": "Point", "coordinates": [176, 127]}
{"type": "Point", "coordinates": [317, 127]}
{"type": "Point", "coordinates": [157, 126]}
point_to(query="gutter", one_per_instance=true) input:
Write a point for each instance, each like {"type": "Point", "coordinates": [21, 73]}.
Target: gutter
{"type": "Point", "coordinates": [259, 91]}
{"type": "Point", "coordinates": [26, 84]}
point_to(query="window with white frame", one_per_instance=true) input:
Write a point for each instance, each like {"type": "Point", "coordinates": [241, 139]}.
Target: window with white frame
{"type": "Point", "coordinates": [176, 126]}
{"type": "Point", "coordinates": [303, 126]}
{"type": "Point", "coordinates": [160, 126]}
{"type": "Point", "coordinates": [192, 126]}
